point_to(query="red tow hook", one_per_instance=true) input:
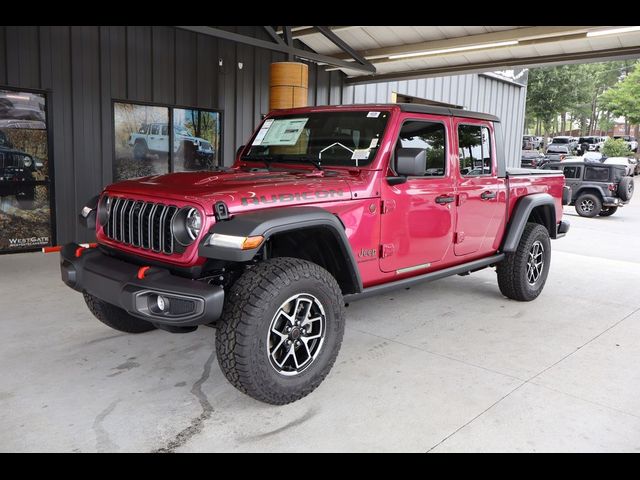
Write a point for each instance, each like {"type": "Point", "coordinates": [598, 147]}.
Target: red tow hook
{"type": "Point", "coordinates": [142, 271]}
{"type": "Point", "coordinates": [80, 249]}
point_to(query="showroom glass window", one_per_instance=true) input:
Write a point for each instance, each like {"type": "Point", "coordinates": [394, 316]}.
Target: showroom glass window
{"type": "Point", "coordinates": [154, 140]}
{"type": "Point", "coordinates": [25, 187]}
{"type": "Point", "coordinates": [196, 139]}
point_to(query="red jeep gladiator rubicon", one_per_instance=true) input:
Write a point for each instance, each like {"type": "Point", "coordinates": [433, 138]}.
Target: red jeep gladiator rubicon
{"type": "Point", "coordinates": [323, 206]}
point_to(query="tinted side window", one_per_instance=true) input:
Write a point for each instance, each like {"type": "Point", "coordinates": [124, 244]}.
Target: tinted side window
{"type": "Point", "coordinates": [429, 136]}
{"type": "Point", "coordinates": [572, 172]}
{"type": "Point", "coordinates": [474, 150]}
{"type": "Point", "coordinates": [597, 174]}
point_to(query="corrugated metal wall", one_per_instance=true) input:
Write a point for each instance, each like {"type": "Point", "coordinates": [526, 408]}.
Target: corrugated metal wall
{"type": "Point", "coordinates": [84, 68]}
{"type": "Point", "coordinates": [474, 91]}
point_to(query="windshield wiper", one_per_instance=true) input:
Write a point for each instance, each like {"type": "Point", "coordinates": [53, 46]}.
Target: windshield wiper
{"type": "Point", "coordinates": [298, 158]}
{"type": "Point", "coordinates": [267, 160]}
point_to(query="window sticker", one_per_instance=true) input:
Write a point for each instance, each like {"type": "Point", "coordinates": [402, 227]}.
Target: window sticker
{"type": "Point", "coordinates": [373, 114]}
{"type": "Point", "coordinates": [360, 154]}
{"type": "Point", "coordinates": [281, 132]}
{"type": "Point", "coordinates": [374, 143]}
{"type": "Point", "coordinates": [263, 131]}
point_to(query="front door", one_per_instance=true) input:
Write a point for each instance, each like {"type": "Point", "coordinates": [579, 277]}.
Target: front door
{"type": "Point", "coordinates": [481, 195]}
{"type": "Point", "coordinates": [418, 216]}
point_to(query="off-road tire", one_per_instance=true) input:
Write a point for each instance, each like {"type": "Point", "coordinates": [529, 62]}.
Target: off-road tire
{"type": "Point", "coordinates": [140, 150]}
{"type": "Point", "coordinates": [597, 205]}
{"type": "Point", "coordinates": [241, 334]}
{"type": "Point", "coordinates": [512, 271]}
{"type": "Point", "coordinates": [625, 188]}
{"type": "Point", "coordinates": [115, 317]}
{"type": "Point", "coordinates": [608, 211]}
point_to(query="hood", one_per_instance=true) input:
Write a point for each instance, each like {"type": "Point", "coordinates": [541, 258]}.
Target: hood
{"type": "Point", "coordinates": [243, 190]}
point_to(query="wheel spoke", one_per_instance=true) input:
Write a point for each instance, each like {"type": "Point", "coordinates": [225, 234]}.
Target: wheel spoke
{"type": "Point", "coordinates": [297, 317]}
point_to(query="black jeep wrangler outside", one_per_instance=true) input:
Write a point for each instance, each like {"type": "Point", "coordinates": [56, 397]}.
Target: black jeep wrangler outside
{"type": "Point", "coordinates": [596, 188]}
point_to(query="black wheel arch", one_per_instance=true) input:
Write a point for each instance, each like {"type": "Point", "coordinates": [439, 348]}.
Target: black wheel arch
{"type": "Point", "coordinates": [308, 233]}
{"type": "Point", "coordinates": [537, 208]}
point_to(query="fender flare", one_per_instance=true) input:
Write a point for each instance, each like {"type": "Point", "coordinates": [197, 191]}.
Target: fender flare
{"type": "Point", "coordinates": [521, 213]}
{"type": "Point", "coordinates": [277, 220]}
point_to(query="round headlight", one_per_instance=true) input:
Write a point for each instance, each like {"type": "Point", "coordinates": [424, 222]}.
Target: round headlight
{"type": "Point", "coordinates": [104, 209]}
{"type": "Point", "coordinates": [27, 161]}
{"type": "Point", "coordinates": [186, 225]}
{"type": "Point", "coordinates": [193, 223]}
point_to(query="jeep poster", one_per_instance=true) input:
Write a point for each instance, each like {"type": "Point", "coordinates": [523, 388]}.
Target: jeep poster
{"type": "Point", "coordinates": [196, 139]}
{"type": "Point", "coordinates": [25, 207]}
{"type": "Point", "coordinates": [141, 140]}
{"type": "Point", "coordinates": [144, 146]}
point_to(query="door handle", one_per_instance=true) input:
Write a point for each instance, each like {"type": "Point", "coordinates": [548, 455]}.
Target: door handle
{"type": "Point", "coordinates": [488, 195]}
{"type": "Point", "coordinates": [444, 199]}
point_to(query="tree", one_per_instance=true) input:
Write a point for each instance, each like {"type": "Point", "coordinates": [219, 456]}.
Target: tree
{"type": "Point", "coordinates": [616, 148]}
{"type": "Point", "coordinates": [624, 98]}
{"type": "Point", "coordinates": [550, 92]}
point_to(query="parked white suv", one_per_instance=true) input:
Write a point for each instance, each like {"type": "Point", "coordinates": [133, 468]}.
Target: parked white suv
{"type": "Point", "coordinates": [154, 138]}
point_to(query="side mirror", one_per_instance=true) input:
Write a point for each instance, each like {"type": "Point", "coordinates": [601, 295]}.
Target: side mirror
{"type": "Point", "coordinates": [411, 162]}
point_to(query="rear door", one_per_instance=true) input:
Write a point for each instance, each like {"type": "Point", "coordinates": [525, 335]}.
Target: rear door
{"type": "Point", "coordinates": [481, 195]}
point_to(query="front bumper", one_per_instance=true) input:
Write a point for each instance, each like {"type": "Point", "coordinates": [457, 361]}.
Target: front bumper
{"type": "Point", "coordinates": [186, 302]}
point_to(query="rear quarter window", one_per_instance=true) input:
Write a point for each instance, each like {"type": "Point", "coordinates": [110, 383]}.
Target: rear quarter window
{"type": "Point", "coordinates": [596, 174]}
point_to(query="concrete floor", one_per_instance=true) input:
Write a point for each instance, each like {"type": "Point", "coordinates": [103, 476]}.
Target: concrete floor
{"type": "Point", "coordinates": [446, 366]}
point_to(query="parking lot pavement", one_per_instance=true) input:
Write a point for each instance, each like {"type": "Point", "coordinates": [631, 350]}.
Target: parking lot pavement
{"type": "Point", "coordinates": [446, 366]}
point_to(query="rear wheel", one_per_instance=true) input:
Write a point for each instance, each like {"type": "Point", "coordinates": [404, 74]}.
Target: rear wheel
{"type": "Point", "coordinates": [281, 330]}
{"type": "Point", "coordinates": [588, 205]}
{"type": "Point", "coordinates": [608, 211]}
{"type": "Point", "coordinates": [523, 273]}
{"type": "Point", "coordinates": [115, 317]}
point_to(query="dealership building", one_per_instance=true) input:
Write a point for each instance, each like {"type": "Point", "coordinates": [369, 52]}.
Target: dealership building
{"type": "Point", "coordinates": [102, 90]}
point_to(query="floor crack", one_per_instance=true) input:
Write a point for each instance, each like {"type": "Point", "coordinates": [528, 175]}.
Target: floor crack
{"type": "Point", "coordinates": [197, 423]}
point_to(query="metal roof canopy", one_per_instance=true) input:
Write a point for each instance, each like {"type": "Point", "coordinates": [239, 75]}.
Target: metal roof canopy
{"type": "Point", "coordinates": [403, 52]}
{"type": "Point", "coordinates": [378, 53]}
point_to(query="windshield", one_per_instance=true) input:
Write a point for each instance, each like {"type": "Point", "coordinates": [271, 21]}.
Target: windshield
{"type": "Point", "coordinates": [326, 138]}
{"type": "Point", "coordinates": [586, 140]}
{"type": "Point", "coordinates": [560, 140]}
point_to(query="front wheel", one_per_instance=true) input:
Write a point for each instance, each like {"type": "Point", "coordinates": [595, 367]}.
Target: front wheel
{"type": "Point", "coordinates": [281, 330]}
{"type": "Point", "coordinates": [523, 273]}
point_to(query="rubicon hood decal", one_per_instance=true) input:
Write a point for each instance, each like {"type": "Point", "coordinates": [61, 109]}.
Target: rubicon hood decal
{"type": "Point", "coordinates": [293, 197]}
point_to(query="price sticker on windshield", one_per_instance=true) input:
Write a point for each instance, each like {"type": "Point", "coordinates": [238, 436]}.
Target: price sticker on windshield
{"type": "Point", "coordinates": [373, 114]}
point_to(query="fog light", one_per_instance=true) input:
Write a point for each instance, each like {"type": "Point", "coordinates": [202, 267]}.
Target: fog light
{"type": "Point", "coordinates": [162, 303]}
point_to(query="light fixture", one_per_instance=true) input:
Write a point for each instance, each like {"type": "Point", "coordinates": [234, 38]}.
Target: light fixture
{"type": "Point", "coordinates": [613, 31]}
{"type": "Point", "coordinates": [482, 46]}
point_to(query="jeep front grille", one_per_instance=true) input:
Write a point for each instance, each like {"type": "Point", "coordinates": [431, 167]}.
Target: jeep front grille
{"type": "Point", "coordinates": [141, 224]}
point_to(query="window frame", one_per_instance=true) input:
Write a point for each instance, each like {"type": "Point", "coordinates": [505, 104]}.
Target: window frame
{"type": "Point", "coordinates": [491, 149]}
{"type": "Point", "coordinates": [170, 107]}
{"type": "Point", "coordinates": [392, 163]}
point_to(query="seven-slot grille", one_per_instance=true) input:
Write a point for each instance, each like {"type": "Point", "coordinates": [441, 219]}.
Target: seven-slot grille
{"type": "Point", "coordinates": [142, 224]}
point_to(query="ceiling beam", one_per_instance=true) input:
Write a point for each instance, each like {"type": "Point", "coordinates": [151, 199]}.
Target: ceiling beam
{"type": "Point", "coordinates": [528, 62]}
{"type": "Point", "coordinates": [299, 32]}
{"type": "Point", "coordinates": [255, 42]}
{"type": "Point", "coordinates": [528, 33]}
{"type": "Point", "coordinates": [344, 46]}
